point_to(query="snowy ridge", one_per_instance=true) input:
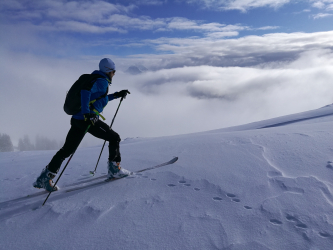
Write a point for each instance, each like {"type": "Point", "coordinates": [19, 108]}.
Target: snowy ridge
{"type": "Point", "coordinates": [237, 188]}
{"type": "Point", "coordinates": [317, 115]}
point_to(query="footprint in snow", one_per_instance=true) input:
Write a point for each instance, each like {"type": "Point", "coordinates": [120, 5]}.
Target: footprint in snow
{"type": "Point", "coordinates": [184, 182]}
{"type": "Point", "coordinates": [233, 197]}
{"type": "Point", "coordinates": [304, 226]}
{"type": "Point", "coordinates": [324, 234]}
{"type": "Point", "coordinates": [275, 222]}
{"type": "Point", "coordinates": [298, 224]}
{"type": "Point", "coordinates": [217, 199]}
{"type": "Point", "coordinates": [301, 225]}
{"type": "Point", "coordinates": [329, 165]}
{"type": "Point", "coordinates": [291, 218]}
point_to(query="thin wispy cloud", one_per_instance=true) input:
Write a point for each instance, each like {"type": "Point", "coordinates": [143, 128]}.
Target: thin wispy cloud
{"type": "Point", "coordinates": [321, 15]}
{"type": "Point", "coordinates": [242, 5]}
{"type": "Point", "coordinates": [325, 6]}
{"type": "Point", "coordinates": [104, 17]}
{"type": "Point", "coordinates": [99, 17]}
{"type": "Point", "coordinates": [322, 4]}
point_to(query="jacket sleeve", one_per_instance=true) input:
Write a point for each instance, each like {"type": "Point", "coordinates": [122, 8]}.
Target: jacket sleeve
{"type": "Point", "coordinates": [85, 99]}
{"type": "Point", "coordinates": [111, 97]}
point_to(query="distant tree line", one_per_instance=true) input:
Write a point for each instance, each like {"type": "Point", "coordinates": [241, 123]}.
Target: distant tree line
{"type": "Point", "coordinates": [24, 144]}
{"type": "Point", "coordinates": [6, 144]}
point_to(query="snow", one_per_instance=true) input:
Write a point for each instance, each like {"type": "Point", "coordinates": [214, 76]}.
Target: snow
{"type": "Point", "coordinates": [264, 185]}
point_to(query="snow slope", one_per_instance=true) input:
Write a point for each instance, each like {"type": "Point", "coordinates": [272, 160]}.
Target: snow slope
{"type": "Point", "coordinates": [265, 185]}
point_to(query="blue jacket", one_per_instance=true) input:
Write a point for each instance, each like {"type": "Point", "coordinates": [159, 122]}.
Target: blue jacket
{"type": "Point", "coordinates": [98, 89]}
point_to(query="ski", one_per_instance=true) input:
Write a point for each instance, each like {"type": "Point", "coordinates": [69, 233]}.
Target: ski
{"type": "Point", "coordinates": [82, 182]}
{"type": "Point", "coordinates": [160, 165]}
{"type": "Point", "coordinates": [40, 193]}
{"type": "Point", "coordinates": [114, 179]}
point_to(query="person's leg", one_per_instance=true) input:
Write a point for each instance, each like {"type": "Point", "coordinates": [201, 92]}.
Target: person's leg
{"type": "Point", "coordinates": [102, 130]}
{"type": "Point", "coordinates": [73, 139]}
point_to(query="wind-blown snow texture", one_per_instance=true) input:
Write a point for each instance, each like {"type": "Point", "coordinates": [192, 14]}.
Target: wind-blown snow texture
{"type": "Point", "coordinates": [265, 185]}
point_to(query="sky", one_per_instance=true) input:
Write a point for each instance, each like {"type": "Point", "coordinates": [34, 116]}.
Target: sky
{"type": "Point", "coordinates": [211, 63]}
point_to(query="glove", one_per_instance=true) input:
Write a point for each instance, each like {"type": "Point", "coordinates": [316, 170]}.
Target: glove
{"type": "Point", "coordinates": [122, 93]}
{"type": "Point", "coordinates": [91, 118]}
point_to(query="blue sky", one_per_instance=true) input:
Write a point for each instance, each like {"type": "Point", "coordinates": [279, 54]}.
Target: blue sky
{"type": "Point", "coordinates": [211, 63]}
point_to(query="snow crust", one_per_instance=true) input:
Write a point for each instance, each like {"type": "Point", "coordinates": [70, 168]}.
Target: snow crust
{"type": "Point", "coordinates": [264, 185]}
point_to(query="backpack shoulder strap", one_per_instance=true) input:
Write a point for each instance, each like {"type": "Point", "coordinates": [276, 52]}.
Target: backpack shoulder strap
{"type": "Point", "coordinates": [90, 80]}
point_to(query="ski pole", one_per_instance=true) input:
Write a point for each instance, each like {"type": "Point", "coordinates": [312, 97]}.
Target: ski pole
{"type": "Point", "coordinates": [93, 172]}
{"type": "Point", "coordinates": [55, 184]}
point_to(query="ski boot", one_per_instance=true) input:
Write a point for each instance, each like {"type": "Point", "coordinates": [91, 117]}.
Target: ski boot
{"type": "Point", "coordinates": [115, 171]}
{"type": "Point", "coordinates": [45, 181]}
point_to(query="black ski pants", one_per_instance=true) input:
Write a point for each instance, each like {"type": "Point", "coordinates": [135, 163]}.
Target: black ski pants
{"type": "Point", "coordinates": [75, 135]}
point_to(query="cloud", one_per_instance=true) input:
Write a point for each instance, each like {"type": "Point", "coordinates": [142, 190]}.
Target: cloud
{"type": "Point", "coordinates": [75, 26]}
{"type": "Point", "coordinates": [321, 15]}
{"type": "Point", "coordinates": [104, 17]}
{"type": "Point", "coordinates": [322, 4]}
{"type": "Point", "coordinates": [60, 9]}
{"type": "Point", "coordinates": [98, 17]}
{"type": "Point", "coordinates": [246, 5]}
{"type": "Point", "coordinates": [80, 16]}
{"type": "Point", "coordinates": [245, 51]}
{"type": "Point", "coordinates": [206, 97]}
{"type": "Point", "coordinates": [268, 28]}
{"type": "Point", "coordinates": [242, 5]}
{"type": "Point", "coordinates": [232, 83]}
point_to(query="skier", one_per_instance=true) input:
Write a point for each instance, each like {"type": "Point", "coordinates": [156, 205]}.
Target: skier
{"type": "Point", "coordinates": [88, 115]}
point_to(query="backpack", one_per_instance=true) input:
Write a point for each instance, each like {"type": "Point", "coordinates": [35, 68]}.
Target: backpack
{"type": "Point", "coordinates": [72, 103]}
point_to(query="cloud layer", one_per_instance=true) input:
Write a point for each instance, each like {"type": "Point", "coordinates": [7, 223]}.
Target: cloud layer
{"type": "Point", "coordinates": [166, 101]}
{"type": "Point", "coordinates": [272, 49]}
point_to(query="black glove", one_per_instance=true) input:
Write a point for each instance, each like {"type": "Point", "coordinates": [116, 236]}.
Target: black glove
{"type": "Point", "coordinates": [91, 118]}
{"type": "Point", "coordinates": [122, 93]}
